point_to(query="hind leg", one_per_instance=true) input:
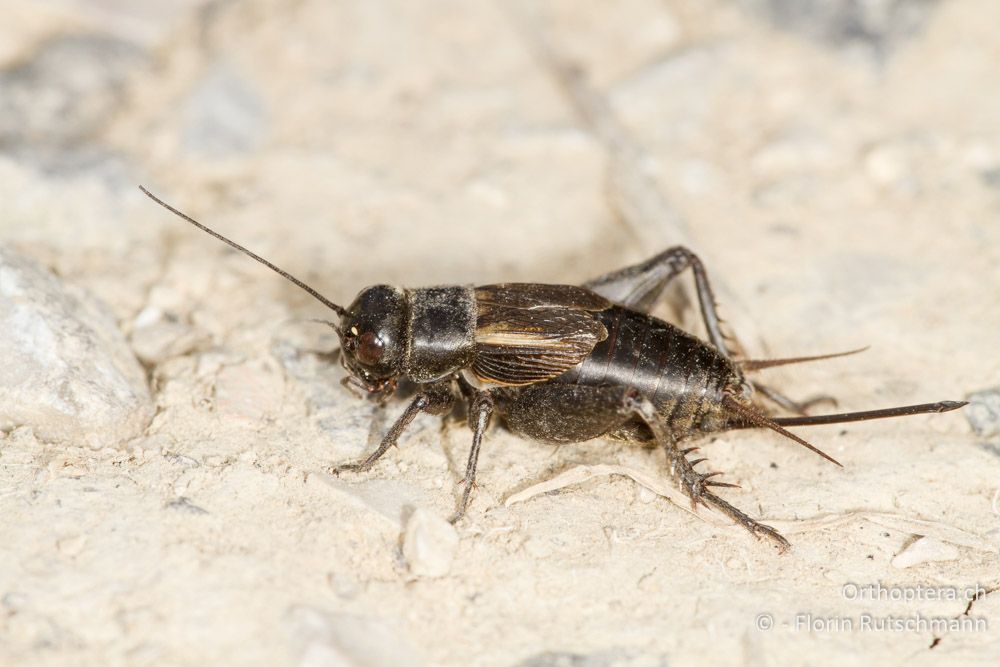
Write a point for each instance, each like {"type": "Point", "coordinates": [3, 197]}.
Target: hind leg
{"type": "Point", "coordinates": [695, 484]}
{"type": "Point", "coordinates": [639, 286]}
{"type": "Point", "coordinates": [539, 412]}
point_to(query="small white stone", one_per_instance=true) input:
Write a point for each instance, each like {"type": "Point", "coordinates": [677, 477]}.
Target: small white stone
{"type": "Point", "coordinates": [924, 550]}
{"type": "Point", "coordinates": [162, 338]}
{"type": "Point", "coordinates": [147, 316]}
{"type": "Point", "coordinates": [343, 585]}
{"type": "Point", "coordinates": [429, 544]}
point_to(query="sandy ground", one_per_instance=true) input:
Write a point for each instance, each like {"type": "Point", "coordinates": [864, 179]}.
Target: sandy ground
{"type": "Point", "coordinates": [838, 171]}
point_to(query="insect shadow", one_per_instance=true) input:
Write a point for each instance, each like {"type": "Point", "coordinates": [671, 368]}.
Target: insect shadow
{"type": "Point", "coordinates": [568, 363]}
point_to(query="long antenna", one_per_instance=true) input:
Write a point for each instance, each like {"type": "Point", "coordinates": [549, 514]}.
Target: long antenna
{"type": "Point", "coordinates": [319, 297]}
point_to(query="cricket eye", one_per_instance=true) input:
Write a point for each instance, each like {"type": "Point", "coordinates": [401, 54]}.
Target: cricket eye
{"type": "Point", "coordinates": [370, 348]}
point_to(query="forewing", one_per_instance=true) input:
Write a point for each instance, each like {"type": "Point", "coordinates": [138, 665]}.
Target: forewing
{"type": "Point", "coordinates": [528, 333]}
{"type": "Point", "coordinates": [539, 295]}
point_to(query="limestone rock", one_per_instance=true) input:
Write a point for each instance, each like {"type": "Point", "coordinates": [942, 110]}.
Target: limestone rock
{"type": "Point", "coordinates": [65, 368]}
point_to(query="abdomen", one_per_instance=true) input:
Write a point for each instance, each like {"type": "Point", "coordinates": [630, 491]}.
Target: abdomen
{"type": "Point", "coordinates": [682, 375]}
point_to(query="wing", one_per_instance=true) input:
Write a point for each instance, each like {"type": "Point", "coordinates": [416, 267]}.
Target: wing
{"type": "Point", "coordinates": [537, 295]}
{"type": "Point", "coordinates": [528, 332]}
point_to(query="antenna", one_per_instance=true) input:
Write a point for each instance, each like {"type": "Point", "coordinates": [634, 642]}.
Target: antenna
{"type": "Point", "coordinates": [319, 297]}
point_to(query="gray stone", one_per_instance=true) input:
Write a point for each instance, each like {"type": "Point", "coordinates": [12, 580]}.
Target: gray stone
{"type": "Point", "coordinates": [614, 657]}
{"type": "Point", "coordinates": [874, 25]}
{"type": "Point", "coordinates": [65, 368]}
{"type": "Point", "coordinates": [64, 93]}
{"type": "Point", "coordinates": [224, 115]}
{"type": "Point", "coordinates": [55, 104]}
{"type": "Point", "coordinates": [983, 412]}
{"type": "Point", "coordinates": [183, 504]}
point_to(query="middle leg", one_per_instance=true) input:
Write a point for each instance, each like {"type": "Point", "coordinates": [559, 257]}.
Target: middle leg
{"type": "Point", "coordinates": [480, 411]}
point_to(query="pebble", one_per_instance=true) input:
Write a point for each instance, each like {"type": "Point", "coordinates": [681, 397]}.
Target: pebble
{"type": "Point", "coordinates": [65, 368]}
{"type": "Point", "coordinates": [924, 550]}
{"type": "Point", "coordinates": [983, 412]}
{"type": "Point", "coordinates": [344, 586]}
{"type": "Point", "coordinates": [429, 544]}
{"type": "Point", "coordinates": [157, 337]}
{"type": "Point", "coordinates": [343, 640]}
{"type": "Point", "coordinates": [183, 504]}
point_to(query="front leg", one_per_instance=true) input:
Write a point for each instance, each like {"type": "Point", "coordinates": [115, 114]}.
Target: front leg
{"type": "Point", "coordinates": [435, 399]}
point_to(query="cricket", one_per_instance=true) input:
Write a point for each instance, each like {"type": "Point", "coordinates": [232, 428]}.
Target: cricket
{"type": "Point", "coordinates": [565, 363]}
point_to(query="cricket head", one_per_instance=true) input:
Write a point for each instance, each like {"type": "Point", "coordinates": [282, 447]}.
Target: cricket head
{"type": "Point", "coordinates": [372, 329]}
{"type": "Point", "coordinates": [373, 336]}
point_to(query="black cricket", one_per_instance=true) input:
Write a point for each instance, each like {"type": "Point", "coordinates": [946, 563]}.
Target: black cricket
{"type": "Point", "coordinates": [566, 363]}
